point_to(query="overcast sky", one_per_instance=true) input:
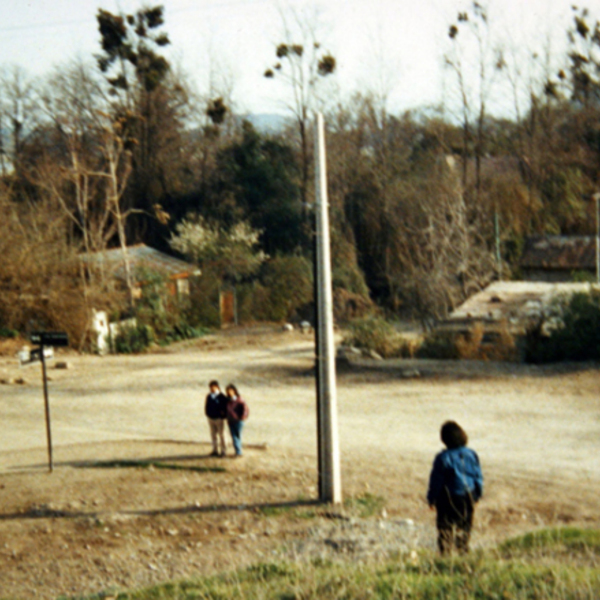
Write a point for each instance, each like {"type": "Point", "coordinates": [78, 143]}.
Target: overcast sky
{"type": "Point", "coordinates": [238, 37]}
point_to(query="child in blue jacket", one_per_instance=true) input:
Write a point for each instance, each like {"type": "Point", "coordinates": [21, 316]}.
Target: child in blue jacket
{"type": "Point", "coordinates": [455, 485]}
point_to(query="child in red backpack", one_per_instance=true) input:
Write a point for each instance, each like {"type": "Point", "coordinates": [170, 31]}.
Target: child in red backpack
{"type": "Point", "coordinates": [237, 413]}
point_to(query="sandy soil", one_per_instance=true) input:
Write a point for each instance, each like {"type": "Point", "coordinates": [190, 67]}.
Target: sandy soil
{"type": "Point", "coordinates": [83, 529]}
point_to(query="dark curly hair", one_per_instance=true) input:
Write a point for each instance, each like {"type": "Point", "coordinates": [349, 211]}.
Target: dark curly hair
{"type": "Point", "coordinates": [453, 435]}
{"type": "Point", "coordinates": [232, 387]}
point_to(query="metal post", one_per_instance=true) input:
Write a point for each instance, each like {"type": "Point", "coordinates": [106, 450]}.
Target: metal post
{"type": "Point", "coordinates": [47, 409]}
{"type": "Point", "coordinates": [330, 487]}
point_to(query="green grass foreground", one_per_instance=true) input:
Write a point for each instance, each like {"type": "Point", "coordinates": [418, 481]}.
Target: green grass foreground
{"type": "Point", "coordinates": [555, 564]}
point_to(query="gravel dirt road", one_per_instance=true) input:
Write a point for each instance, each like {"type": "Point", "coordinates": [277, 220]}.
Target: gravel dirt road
{"type": "Point", "coordinates": [98, 522]}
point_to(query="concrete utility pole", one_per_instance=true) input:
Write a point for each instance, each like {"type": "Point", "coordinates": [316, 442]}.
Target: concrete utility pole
{"type": "Point", "coordinates": [330, 485]}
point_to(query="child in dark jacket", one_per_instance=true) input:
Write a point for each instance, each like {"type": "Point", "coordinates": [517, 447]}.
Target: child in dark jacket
{"type": "Point", "coordinates": [455, 485]}
{"type": "Point", "coordinates": [215, 408]}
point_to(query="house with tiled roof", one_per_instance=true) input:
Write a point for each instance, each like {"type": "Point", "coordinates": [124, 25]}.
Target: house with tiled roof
{"type": "Point", "coordinates": [510, 308]}
{"type": "Point", "coordinates": [144, 259]}
{"type": "Point", "coordinates": [555, 258]}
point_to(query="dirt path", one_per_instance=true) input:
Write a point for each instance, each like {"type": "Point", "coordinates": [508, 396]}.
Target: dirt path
{"type": "Point", "coordinates": [84, 529]}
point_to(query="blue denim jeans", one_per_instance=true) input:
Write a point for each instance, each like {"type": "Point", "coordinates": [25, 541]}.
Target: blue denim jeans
{"type": "Point", "coordinates": [235, 428]}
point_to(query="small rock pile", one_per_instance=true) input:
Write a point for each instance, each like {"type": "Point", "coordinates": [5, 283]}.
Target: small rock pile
{"type": "Point", "coordinates": [348, 357]}
{"type": "Point", "coordinates": [350, 352]}
{"type": "Point", "coordinates": [362, 539]}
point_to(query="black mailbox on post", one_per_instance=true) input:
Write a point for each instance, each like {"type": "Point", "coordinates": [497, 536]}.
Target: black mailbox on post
{"type": "Point", "coordinates": [49, 338]}
{"type": "Point", "coordinates": [52, 339]}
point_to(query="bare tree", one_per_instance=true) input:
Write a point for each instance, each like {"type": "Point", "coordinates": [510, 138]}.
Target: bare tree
{"type": "Point", "coordinates": [474, 64]}
{"type": "Point", "coordinates": [38, 271]}
{"type": "Point", "coordinates": [74, 104]}
{"type": "Point", "coordinates": [441, 251]}
{"type": "Point", "coordinates": [584, 58]}
{"type": "Point", "coordinates": [117, 171]}
{"type": "Point", "coordinates": [89, 177]}
{"type": "Point", "coordinates": [18, 115]}
{"type": "Point", "coordinates": [528, 71]}
{"type": "Point", "coordinates": [302, 64]}
{"type": "Point", "coordinates": [212, 113]}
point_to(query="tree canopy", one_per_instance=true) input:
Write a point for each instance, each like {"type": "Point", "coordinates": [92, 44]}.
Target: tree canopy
{"type": "Point", "coordinates": [427, 206]}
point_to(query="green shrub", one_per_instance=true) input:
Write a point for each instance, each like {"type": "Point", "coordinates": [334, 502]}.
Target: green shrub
{"type": "Point", "coordinates": [477, 343]}
{"type": "Point", "coordinates": [179, 332]}
{"type": "Point", "coordinates": [172, 317]}
{"type": "Point", "coordinates": [492, 344]}
{"type": "Point", "coordinates": [289, 281]}
{"type": "Point", "coordinates": [569, 539]}
{"type": "Point", "coordinates": [203, 309]}
{"type": "Point", "coordinates": [8, 333]}
{"type": "Point", "coordinates": [576, 336]}
{"type": "Point", "coordinates": [158, 307]}
{"type": "Point", "coordinates": [376, 334]}
{"type": "Point", "coordinates": [583, 277]}
{"type": "Point", "coordinates": [132, 339]}
{"type": "Point", "coordinates": [348, 306]}
{"type": "Point", "coordinates": [439, 345]}
{"type": "Point", "coordinates": [285, 286]}
{"type": "Point", "coordinates": [252, 302]}
{"type": "Point", "coordinates": [351, 279]}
